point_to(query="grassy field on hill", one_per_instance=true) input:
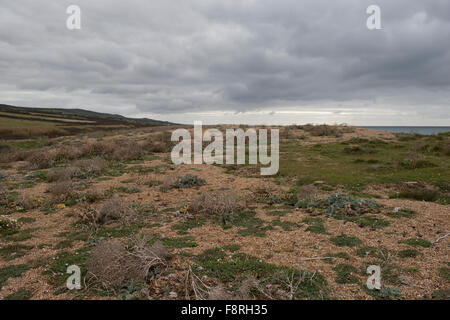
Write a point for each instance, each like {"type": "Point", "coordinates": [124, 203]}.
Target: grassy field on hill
{"type": "Point", "coordinates": [24, 123]}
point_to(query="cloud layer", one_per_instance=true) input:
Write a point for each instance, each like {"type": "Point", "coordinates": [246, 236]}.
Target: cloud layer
{"type": "Point", "coordinates": [248, 61]}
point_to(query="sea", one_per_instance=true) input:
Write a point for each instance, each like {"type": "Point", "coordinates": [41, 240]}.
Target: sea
{"type": "Point", "coordinates": [401, 129]}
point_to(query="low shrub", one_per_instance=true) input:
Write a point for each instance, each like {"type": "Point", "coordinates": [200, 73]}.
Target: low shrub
{"type": "Point", "coordinates": [112, 265]}
{"type": "Point", "coordinates": [159, 143]}
{"type": "Point", "coordinates": [416, 192]}
{"type": "Point", "coordinates": [411, 163]}
{"type": "Point", "coordinates": [169, 182]}
{"type": "Point", "coordinates": [41, 159]}
{"type": "Point", "coordinates": [339, 204]}
{"type": "Point", "coordinates": [61, 191]}
{"type": "Point", "coordinates": [26, 202]}
{"type": "Point", "coordinates": [62, 174]}
{"type": "Point", "coordinates": [189, 181]}
{"type": "Point", "coordinates": [309, 192]}
{"type": "Point", "coordinates": [127, 151]}
{"type": "Point", "coordinates": [98, 149]}
{"type": "Point", "coordinates": [323, 130]}
{"type": "Point", "coordinates": [90, 167]}
{"type": "Point", "coordinates": [67, 152]}
{"type": "Point", "coordinates": [221, 204]}
{"type": "Point", "coordinates": [115, 210]}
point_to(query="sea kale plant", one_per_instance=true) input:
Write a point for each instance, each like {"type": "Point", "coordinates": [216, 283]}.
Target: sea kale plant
{"type": "Point", "coordinates": [340, 204]}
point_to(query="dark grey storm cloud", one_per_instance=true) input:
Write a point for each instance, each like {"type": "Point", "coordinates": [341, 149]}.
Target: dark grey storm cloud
{"type": "Point", "coordinates": [181, 59]}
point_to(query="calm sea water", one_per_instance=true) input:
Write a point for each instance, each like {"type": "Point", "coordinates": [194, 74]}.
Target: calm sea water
{"type": "Point", "coordinates": [421, 130]}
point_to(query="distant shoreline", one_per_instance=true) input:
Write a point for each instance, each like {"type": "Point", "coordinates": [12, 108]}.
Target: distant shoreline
{"type": "Point", "coordinates": [427, 130]}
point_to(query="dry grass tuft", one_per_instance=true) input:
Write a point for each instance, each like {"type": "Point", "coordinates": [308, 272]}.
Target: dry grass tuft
{"type": "Point", "coordinates": [61, 191]}
{"type": "Point", "coordinates": [159, 143]}
{"type": "Point", "coordinates": [115, 210]}
{"type": "Point", "coordinates": [327, 130]}
{"type": "Point", "coordinates": [170, 182]}
{"type": "Point", "coordinates": [129, 150]}
{"type": "Point", "coordinates": [91, 167]}
{"type": "Point", "coordinates": [308, 191]}
{"type": "Point", "coordinates": [220, 204]}
{"type": "Point", "coordinates": [112, 265]}
{"type": "Point", "coordinates": [68, 152]}
{"type": "Point", "coordinates": [87, 214]}
{"type": "Point", "coordinates": [41, 159]}
{"type": "Point", "coordinates": [26, 202]}
{"type": "Point", "coordinates": [62, 174]}
{"type": "Point", "coordinates": [99, 149]}
{"type": "Point", "coordinates": [219, 293]}
{"type": "Point", "coordinates": [116, 150]}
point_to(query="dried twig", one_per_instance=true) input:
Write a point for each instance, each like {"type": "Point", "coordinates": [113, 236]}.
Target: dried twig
{"type": "Point", "coordinates": [293, 285]}
{"type": "Point", "coordinates": [318, 258]}
{"type": "Point", "coordinates": [201, 290]}
{"type": "Point", "coordinates": [441, 238]}
{"type": "Point", "coordinates": [411, 284]}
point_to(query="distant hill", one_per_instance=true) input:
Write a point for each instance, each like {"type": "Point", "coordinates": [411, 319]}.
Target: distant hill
{"type": "Point", "coordinates": [29, 123]}
{"type": "Point", "coordinates": [75, 116]}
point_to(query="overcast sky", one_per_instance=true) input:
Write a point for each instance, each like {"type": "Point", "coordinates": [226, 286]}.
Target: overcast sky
{"type": "Point", "coordinates": [232, 61]}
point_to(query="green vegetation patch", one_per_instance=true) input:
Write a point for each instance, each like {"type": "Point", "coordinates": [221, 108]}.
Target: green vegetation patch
{"type": "Point", "coordinates": [17, 235]}
{"type": "Point", "coordinates": [372, 222]}
{"type": "Point", "coordinates": [385, 293]}
{"type": "Point", "coordinates": [378, 161]}
{"type": "Point", "coordinates": [345, 273]}
{"type": "Point", "coordinates": [372, 252]}
{"type": "Point", "coordinates": [216, 263]}
{"type": "Point", "coordinates": [443, 294]}
{"type": "Point", "coordinates": [232, 247]}
{"type": "Point", "coordinates": [330, 258]}
{"type": "Point", "coordinates": [182, 242]}
{"type": "Point", "coordinates": [445, 273]}
{"type": "Point", "coordinates": [277, 213]}
{"type": "Point", "coordinates": [346, 241]}
{"type": "Point", "coordinates": [189, 181]}
{"type": "Point", "coordinates": [285, 225]}
{"type": "Point", "coordinates": [21, 294]}
{"type": "Point", "coordinates": [315, 225]}
{"type": "Point", "coordinates": [248, 223]}
{"type": "Point", "coordinates": [419, 194]}
{"type": "Point", "coordinates": [403, 213]}
{"type": "Point", "coordinates": [25, 220]}
{"type": "Point", "coordinates": [14, 251]}
{"type": "Point", "coordinates": [184, 226]}
{"type": "Point", "coordinates": [12, 271]}
{"type": "Point", "coordinates": [417, 242]}
{"type": "Point", "coordinates": [408, 253]}
{"type": "Point", "coordinates": [347, 207]}
{"type": "Point", "coordinates": [57, 271]}
{"type": "Point", "coordinates": [120, 231]}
